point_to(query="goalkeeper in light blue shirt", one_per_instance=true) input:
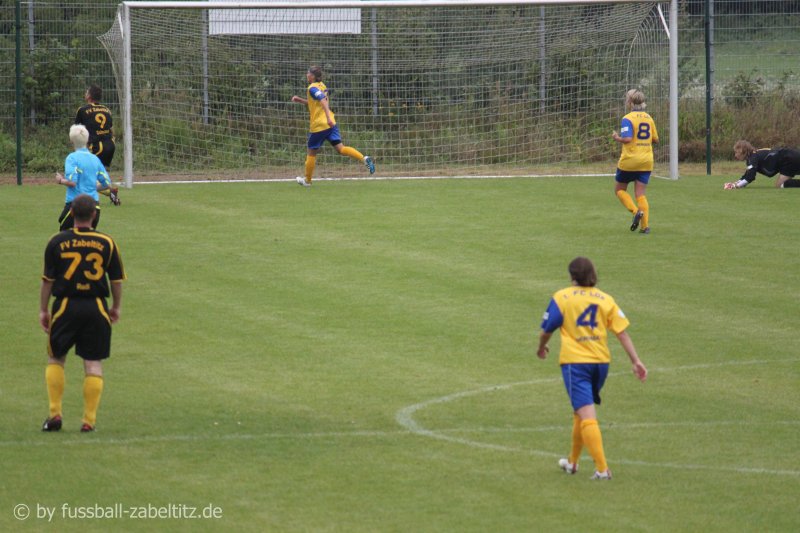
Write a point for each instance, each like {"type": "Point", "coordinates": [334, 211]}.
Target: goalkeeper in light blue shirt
{"type": "Point", "coordinates": [83, 174]}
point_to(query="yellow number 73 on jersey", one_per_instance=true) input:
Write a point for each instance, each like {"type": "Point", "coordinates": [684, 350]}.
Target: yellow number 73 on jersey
{"type": "Point", "coordinates": [94, 258]}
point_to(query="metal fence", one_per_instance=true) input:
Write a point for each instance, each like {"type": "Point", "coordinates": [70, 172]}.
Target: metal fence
{"type": "Point", "coordinates": [61, 56]}
{"type": "Point", "coordinates": [755, 57]}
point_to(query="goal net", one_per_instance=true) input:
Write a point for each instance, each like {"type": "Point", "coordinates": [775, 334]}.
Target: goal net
{"type": "Point", "coordinates": [425, 88]}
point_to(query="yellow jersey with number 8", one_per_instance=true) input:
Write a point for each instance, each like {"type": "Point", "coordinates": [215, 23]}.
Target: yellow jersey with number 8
{"type": "Point", "coordinates": [637, 155]}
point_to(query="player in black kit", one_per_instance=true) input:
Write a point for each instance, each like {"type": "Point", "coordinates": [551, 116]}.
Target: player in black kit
{"type": "Point", "coordinates": [82, 267]}
{"type": "Point", "coordinates": [96, 117]}
{"type": "Point", "coordinates": [767, 161]}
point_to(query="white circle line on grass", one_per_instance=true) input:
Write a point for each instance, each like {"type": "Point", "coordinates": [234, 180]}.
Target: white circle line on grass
{"type": "Point", "coordinates": [405, 417]}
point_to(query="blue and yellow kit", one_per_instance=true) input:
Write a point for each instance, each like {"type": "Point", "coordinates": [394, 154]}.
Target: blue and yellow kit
{"type": "Point", "coordinates": [637, 155]}
{"type": "Point", "coordinates": [315, 93]}
{"type": "Point", "coordinates": [584, 316]}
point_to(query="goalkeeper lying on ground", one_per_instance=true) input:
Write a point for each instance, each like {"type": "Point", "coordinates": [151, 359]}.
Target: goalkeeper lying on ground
{"type": "Point", "coordinates": [767, 161]}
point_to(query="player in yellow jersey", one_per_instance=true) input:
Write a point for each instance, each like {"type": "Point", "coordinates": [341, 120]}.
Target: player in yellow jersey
{"type": "Point", "coordinates": [584, 314]}
{"type": "Point", "coordinates": [636, 135]}
{"type": "Point", "coordinates": [323, 126]}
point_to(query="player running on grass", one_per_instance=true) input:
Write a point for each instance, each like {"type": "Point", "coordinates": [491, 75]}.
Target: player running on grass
{"type": "Point", "coordinates": [96, 118]}
{"type": "Point", "coordinates": [83, 174]}
{"type": "Point", "coordinates": [584, 315]}
{"type": "Point", "coordinates": [323, 126]}
{"type": "Point", "coordinates": [636, 135]}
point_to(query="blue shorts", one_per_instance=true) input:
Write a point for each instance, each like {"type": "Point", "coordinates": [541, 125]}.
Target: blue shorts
{"type": "Point", "coordinates": [331, 135]}
{"type": "Point", "coordinates": [583, 382]}
{"type": "Point", "coordinates": [627, 176]}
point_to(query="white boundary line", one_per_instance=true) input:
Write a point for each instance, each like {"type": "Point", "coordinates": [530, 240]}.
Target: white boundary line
{"type": "Point", "coordinates": [405, 417]}
{"type": "Point", "coordinates": [382, 178]}
{"type": "Point", "coordinates": [369, 178]}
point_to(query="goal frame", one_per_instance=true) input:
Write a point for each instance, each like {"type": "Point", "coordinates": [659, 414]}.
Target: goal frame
{"type": "Point", "coordinates": [125, 13]}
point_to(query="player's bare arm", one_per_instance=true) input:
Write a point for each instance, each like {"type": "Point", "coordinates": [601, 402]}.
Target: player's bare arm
{"type": "Point", "coordinates": [623, 140]}
{"type": "Point", "coordinates": [116, 301]}
{"type": "Point", "coordinates": [627, 343]}
{"type": "Point", "coordinates": [44, 302]}
{"type": "Point", "coordinates": [327, 109]}
{"type": "Point", "coordinates": [543, 349]}
{"type": "Point", "coordinates": [61, 180]}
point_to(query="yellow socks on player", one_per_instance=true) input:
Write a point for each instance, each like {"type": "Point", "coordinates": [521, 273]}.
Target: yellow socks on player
{"type": "Point", "coordinates": [627, 201]}
{"type": "Point", "coordinates": [92, 390]}
{"type": "Point", "coordinates": [311, 162]}
{"type": "Point", "coordinates": [577, 440]}
{"type": "Point", "coordinates": [593, 439]}
{"type": "Point", "coordinates": [644, 207]}
{"type": "Point", "coordinates": [54, 377]}
{"type": "Point", "coordinates": [352, 152]}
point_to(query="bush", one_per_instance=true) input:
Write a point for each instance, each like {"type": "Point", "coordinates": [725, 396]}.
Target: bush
{"type": "Point", "coordinates": [743, 90]}
{"type": "Point", "coordinates": [8, 153]}
{"type": "Point", "coordinates": [54, 65]}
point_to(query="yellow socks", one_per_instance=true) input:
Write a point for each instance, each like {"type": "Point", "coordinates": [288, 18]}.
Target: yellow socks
{"type": "Point", "coordinates": [577, 440]}
{"type": "Point", "coordinates": [54, 377]}
{"type": "Point", "coordinates": [593, 440]}
{"type": "Point", "coordinates": [92, 389]}
{"type": "Point", "coordinates": [352, 152]}
{"type": "Point", "coordinates": [644, 207]}
{"type": "Point", "coordinates": [627, 201]}
{"type": "Point", "coordinates": [311, 162]}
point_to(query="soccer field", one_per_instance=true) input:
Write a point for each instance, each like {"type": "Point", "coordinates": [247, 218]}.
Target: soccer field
{"type": "Point", "coordinates": [360, 356]}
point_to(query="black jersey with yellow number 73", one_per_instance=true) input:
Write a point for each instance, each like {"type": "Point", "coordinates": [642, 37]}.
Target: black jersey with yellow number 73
{"type": "Point", "coordinates": [81, 262]}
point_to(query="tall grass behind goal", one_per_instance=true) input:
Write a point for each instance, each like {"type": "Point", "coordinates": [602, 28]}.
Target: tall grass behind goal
{"type": "Point", "coordinates": [426, 88]}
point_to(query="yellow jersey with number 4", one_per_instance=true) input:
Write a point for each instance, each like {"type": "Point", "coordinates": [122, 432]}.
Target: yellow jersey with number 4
{"type": "Point", "coordinates": [637, 155]}
{"type": "Point", "coordinates": [584, 315]}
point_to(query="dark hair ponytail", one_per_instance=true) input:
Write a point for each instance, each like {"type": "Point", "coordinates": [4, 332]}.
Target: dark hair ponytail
{"type": "Point", "coordinates": [316, 72]}
{"type": "Point", "coordinates": [582, 272]}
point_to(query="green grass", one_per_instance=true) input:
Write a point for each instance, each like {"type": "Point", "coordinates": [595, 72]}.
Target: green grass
{"type": "Point", "coordinates": [359, 356]}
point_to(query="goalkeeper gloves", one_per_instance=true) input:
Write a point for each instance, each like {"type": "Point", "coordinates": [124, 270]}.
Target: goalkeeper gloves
{"type": "Point", "coordinates": [113, 193]}
{"type": "Point", "coordinates": [741, 184]}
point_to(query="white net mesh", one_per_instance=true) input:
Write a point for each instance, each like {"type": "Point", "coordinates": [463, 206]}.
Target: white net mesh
{"type": "Point", "coordinates": [469, 90]}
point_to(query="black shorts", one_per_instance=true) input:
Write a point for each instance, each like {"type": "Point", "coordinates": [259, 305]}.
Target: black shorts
{"type": "Point", "coordinates": [104, 150]}
{"type": "Point", "coordinates": [83, 323]}
{"type": "Point", "coordinates": [66, 220]}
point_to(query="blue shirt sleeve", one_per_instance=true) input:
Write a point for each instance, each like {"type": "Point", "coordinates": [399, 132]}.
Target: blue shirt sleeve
{"type": "Point", "coordinates": [626, 129]}
{"type": "Point", "coordinates": [316, 94]}
{"type": "Point", "coordinates": [552, 318]}
{"type": "Point", "coordinates": [102, 175]}
{"type": "Point", "coordinates": [71, 169]}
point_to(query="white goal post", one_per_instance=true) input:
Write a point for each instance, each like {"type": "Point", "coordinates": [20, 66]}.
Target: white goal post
{"type": "Point", "coordinates": [425, 87]}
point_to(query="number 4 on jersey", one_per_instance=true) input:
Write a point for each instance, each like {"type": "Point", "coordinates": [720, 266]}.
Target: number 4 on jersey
{"type": "Point", "coordinates": [588, 317]}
